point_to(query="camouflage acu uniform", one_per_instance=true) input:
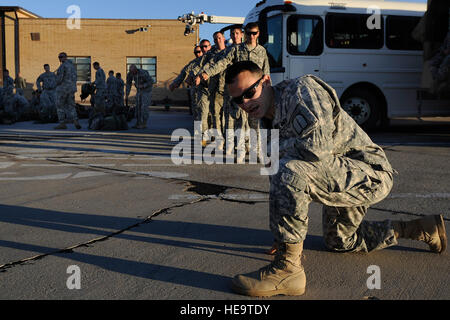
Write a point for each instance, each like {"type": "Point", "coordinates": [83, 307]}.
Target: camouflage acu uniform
{"type": "Point", "coordinates": [100, 92]}
{"type": "Point", "coordinates": [144, 85]}
{"type": "Point", "coordinates": [183, 76]}
{"type": "Point", "coordinates": [202, 93]}
{"type": "Point", "coordinates": [327, 158]}
{"type": "Point", "coordinates": [233, 54]}
{"type": "Point", "coordinates": [66, 81]}
{"type": "Point", "coordinates": [217, 89]}
{"type": "Point", "coordinates": [8, 94]}
{"type": "Point", "coordinates": [120, 91]}
{"type": "Point", "coordinates": [47, 99]}
{"type": "Point", "coordinates": [440, 66]}
{"type": "Point", "coordinates": [21, 106]}
{"type": "Point", "coordinates": [114, 99]}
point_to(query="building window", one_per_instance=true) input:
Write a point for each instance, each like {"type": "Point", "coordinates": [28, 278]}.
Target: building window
{"type": "Point", "coordinates": [350, 31]}
{"type": "Point", "coordinates": [305, 35]}
{"type": "Point", "coordinates": [398, 33]}
{"type": "Point", "coordinates": [145, 63]}
{"type": "Point", "coordinates": [83, 67]}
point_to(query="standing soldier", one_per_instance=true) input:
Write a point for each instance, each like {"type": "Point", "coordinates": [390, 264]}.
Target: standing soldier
{"type": "Point", "coordinates": [235, 119]}
{"type": "Point", "coordinates": [8, 92]}
{"type": "Point", "coordinates": [440, 67]}
{"type": "Point", "coordinates": [66, 86]}
{"type": "Point", "coordinates": [47, 94]}
{"type": "Point", "coordinates": [216, 88]}
{"type": "Point", "coordinates": [112, 89]}
{"type": "Point", "coordinates": [120, 88]}
{"type": "Point", "coordinates": [183, 76]}
{"type": "Point", "coordinates": [20, 84]}
{"type": "Point", "coordinates": [327, 158]}
{"type": "Point", "coordinates": [250, 50]}
{"type": "Point", "coordinates": [144, 85]}
{"type": "Point", "coordinates": [100, 90]}
{"type": "Point", "coordinates": [203, 94]}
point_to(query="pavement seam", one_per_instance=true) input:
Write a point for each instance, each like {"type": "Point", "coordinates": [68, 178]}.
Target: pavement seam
{"type": "Point", "coordinates": [108, 170]}
{"type": "Point", "coordinates": [70, 249]}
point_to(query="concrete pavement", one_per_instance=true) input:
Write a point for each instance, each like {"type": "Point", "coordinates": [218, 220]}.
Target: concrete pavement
{"type": "Point", "coordinates": [139, 227]}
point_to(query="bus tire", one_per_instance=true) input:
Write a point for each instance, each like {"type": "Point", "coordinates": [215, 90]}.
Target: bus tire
{"type": "Point", "coordinates": [364, 107]}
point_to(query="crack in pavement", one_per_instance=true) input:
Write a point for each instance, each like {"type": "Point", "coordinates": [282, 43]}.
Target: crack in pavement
{"type": "Point", "coordinates": [70, 249]}
{"type": "Point", "coordinates": [206, 191]}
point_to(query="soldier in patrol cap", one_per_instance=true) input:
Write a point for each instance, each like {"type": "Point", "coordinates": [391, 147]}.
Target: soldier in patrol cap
{"type": "Point", "coordinates": [144, 85]}
{"type": "Point", "coordinates": [324, 157]}
{"type": "Point", "coordinates": [66, 86]}
{"type": "Point", "coordinates": [46, 85]}
{"type": "Point", "coordinates": [183, 76]}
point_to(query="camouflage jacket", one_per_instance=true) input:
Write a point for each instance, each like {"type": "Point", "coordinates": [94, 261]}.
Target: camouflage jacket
{"type": "Point", "coordinates": [313, 126]}
{"type": "Point", "coordinates": [142, 81]}
{"type": "Point", "coordinates": [196, 70]}
{"type": "Point", "coordinates": [48, 80]}
{"type": "Point", "coordinates": [100, 79]}
{"type": "Point", "coordinates": [238, 53]}
{"type": "Point", "coordinates": [120, 87]}
{"type": "Point", "coordinates": [8, 85]}
{"type": "Point", "coordinates": [66, 76]}
{"type": "Point", "coordinates": [217, 82]}
{"type": "Point", "coordinates": [186, 71]}
{"type": "Point", "coordinates": [442, 53]}
{"type": "Point", "coordinates": [112, 85]}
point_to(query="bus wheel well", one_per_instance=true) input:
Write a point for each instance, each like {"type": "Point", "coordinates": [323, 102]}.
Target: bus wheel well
{"type": "Point", "coordinates": [366, 86]}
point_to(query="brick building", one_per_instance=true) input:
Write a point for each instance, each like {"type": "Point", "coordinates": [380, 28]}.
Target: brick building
{"type": "Point", "coordinates": [159, 46]}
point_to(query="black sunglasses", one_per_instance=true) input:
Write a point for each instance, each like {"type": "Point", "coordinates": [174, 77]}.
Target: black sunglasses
{"type": "Point", "coordinates": [248, 93]}
{"type": "Point", "coordinates": [205, 46]}
{"type": "Point", "coordinates": [197, 52]}
{"type": "Point", "coordinates": [253, 33]}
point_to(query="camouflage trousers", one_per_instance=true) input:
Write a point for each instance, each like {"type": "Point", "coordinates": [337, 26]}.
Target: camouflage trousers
{"type": "Point", "coordinates": [216, 109]}
{"type": "Point", "coordinates": [201, 111]}
{"type": "Point", "coordinates": [8, 103]}
{"type": "Point", "coordinates": [346, 188]}
{"type": "Point", "coordinates": [100, 101]}
{"type": "Point", "coordinates": [65, 104]}
{"type": "Point", "coordinates": [143, 102]}
{"type": "Point", "coordinates": [47, 105]}
{"type": "Point", "coordinates": [234, 119]}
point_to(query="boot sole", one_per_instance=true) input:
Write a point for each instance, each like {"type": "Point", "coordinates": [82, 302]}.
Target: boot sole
{"type": "Point", "coordinates": [442, 233]}
{"type": "Point", "coordinates": [256, 293]}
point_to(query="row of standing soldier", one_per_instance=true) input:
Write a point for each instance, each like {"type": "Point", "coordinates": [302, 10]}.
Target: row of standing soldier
{"type": "Point", "coordinates": [206, 76]}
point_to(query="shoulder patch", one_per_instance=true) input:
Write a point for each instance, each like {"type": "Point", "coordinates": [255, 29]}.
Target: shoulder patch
{"type": "Point", "coordinates": [304, 122]}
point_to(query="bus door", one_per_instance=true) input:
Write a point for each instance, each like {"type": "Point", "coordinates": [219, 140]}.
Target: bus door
{"type": "Point", "coordinates": [273, 42]}
{"type": "Point", "coordinates": [304, 45]}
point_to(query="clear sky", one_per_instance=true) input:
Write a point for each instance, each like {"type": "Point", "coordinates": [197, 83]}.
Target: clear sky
{"type": "Point", "coordinates": [143, 9]}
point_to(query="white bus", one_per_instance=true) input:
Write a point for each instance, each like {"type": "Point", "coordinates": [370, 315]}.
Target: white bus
{"type": "Point", "coordinates": [371, 60]}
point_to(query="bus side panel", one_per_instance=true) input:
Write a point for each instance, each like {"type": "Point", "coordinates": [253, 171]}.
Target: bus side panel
{"type": "Point", "coordinates": [396, 74]}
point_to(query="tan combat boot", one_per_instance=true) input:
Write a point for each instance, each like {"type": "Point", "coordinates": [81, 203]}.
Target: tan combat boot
{"type": "Point", "coordinates": [285, 275]}
{"type": "Point", "coordinates": [430, 230]}
{"type": "Point", "coordinates": [61, 126]}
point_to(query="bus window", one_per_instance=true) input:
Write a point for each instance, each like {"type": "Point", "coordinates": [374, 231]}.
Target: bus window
{"type": "Point", "coordinates": [398, 33]}
{"type": "Point", "coordinates": [305, 35]}
{"type": "Point", "coordinates": [350, 31]}
{"type": "Point", "coordinates": [274, 42]}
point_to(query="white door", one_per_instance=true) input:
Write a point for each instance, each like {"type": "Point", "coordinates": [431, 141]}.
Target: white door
{"type": "Point", "coordinates": [304, 46]}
